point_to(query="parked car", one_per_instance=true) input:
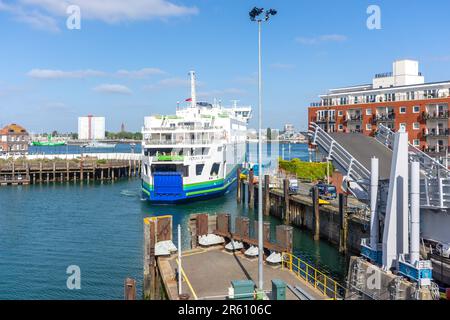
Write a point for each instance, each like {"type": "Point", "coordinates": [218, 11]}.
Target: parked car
{"type": "Point", "coordinates": [326, 191]}
{"type": "Point", "coordinates": [443, 249]}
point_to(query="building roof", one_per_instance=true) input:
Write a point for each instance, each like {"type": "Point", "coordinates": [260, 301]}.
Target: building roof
{"type": "Point", "coordinates": [13, 128]}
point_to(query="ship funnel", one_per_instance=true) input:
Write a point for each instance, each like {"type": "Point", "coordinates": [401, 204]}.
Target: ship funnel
{"type": "Point", "coordinates": [193, 90]}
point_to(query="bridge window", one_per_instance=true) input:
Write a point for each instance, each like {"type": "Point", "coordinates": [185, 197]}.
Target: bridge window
{"type": "Point", "coordinates": [215, 169]}
{"type": "Point", "coordinates": [199, 169]}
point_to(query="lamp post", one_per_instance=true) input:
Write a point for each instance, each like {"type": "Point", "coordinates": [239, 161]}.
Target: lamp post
{"type": "Point", "coordinates": [259, 15]}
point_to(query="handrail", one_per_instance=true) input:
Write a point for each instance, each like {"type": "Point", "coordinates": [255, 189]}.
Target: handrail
{"type": "Point", "coordinates": [304, 271]}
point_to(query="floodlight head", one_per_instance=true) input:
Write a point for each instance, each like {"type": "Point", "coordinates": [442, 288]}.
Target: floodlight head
{"type": "Point", "coordinates": [255, 13]}
{"type": "Point", "coordinates": [270, 12]}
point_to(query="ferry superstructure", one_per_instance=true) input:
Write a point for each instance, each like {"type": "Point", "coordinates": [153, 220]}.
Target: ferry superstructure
{"type": "Point", "coordinates": [195, 153]}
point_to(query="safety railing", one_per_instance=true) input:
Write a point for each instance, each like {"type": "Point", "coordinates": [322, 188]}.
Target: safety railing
{"type": "Point", "coordinates": [304, 271]}
{"type": "Point", "coordinates": [357, 176]}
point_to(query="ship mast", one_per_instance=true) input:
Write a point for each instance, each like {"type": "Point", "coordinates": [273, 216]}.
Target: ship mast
{"type": "Point", "coordinates": [193, 90]}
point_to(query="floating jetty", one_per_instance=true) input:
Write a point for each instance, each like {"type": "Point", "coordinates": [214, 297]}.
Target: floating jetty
{"type": "Point", "coordinates": [215, 272]}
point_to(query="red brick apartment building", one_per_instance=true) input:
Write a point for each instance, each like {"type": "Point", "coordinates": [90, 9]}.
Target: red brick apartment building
{"type": "Point", "coordinates": [394, 99]}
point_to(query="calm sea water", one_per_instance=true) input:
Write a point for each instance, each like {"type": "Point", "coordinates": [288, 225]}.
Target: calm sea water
{"type": "Point", "coordinates": [98, 227]}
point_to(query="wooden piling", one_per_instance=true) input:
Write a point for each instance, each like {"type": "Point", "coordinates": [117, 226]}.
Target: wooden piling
{"type": "Point", "coordinates": [343, 230]}
{"type": "Point", "coordinates": [287, 212]}
{"type": "Point", "coordinates": [238, 192]}
{"type": "Point", "coordinates": [316, 214]}
{"type": "Point", "coordinates": [251, 190]}
{"type": "Point", "coordinates": [266, 195]}
{"type": "Point", "coordinates": [149, 258]}
{"type": "Point", "coordinates": [130, 289]}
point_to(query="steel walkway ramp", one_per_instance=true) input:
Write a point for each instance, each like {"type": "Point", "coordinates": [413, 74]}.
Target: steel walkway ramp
{"type": "Point", "coordinates": [364, 148]}
{"type": "Point", "coordinates": [351, 154]}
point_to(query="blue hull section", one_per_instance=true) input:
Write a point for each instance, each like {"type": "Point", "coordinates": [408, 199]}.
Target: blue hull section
{"type": "Point", "coordinates": [171, 192]}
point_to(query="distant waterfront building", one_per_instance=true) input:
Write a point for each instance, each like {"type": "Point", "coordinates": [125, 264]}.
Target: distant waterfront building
{"type": "Point", "coordinates": [14, 140]}
{"type": "Point", "coordinates": [400, 98]}
{"type": "Point", "coordinates": [91, 128]}
{"type": "Point", "coordinates": [289, 129]}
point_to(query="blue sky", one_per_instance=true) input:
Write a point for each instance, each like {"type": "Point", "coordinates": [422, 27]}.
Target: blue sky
{"type": "Point", "coordinates": [131, 59]}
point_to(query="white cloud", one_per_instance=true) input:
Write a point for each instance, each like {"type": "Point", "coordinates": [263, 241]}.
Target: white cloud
{"type": "Point", "coordinates": [115, 10]}
{"type": "Point", "coordinates": [321, 39]}
{"type": "Point", "coordinates": [59, 74]}
{"type": "Point", "coordinates": [33, 18]}
{"type": "Point", "coordinates": [89, 73]}
{"type": "Point", "coordinates": [112, 88]}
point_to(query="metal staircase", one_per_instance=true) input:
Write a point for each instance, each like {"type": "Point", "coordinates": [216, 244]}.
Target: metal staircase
{"type": "Point", "coordinates": [435, 186]}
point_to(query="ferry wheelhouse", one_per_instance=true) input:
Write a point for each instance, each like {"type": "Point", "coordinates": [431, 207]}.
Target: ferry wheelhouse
{"type": "Point", "coordinates": [195, 153]}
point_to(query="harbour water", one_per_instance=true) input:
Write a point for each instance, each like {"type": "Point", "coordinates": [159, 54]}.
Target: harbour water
{"type": "Point", "coordinates": [46, 228]}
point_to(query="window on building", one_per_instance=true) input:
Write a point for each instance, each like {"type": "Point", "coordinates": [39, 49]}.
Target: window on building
{"type": "Point", "coordinates": [341, 127]}
{"type": "Point", "coordinates": [368, 112]}
{"type": "Point", "coordinates": [416, 142]}
{"type": "Point", "coordinates": [199, 169]}
{"type": "Point", "coordinates": [416, 126]}
{"type": "Point", "coordinates": [369, 127]}
{"type": "Point", "coordinates": [340, 113]}
{"type": "Point", "coordinates": [416, 109]}
{"type": "Point", "coordinates": [215, 169]}
{"type": "Point", "coordinates": [402, 110]}
{"type": "Point", "coordinates": [402, 126]}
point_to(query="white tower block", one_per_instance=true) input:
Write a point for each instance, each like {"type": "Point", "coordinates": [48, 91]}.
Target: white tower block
{"type": "Point", "coordinates": [395, 236]}
{"type": "Point", "coordinates": [415, 213]}
{"type": "Point", "coordinates": [374, 223]}
{"type": "Point", "coordinates": [193, 90]}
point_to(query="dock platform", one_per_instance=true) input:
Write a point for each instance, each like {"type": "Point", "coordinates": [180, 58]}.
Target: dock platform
{"type": "Point", "coordinates": [208, 274]}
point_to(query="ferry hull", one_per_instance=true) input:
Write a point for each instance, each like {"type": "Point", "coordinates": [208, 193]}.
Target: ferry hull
{"type": "Point", "coordinates": [191, 193]}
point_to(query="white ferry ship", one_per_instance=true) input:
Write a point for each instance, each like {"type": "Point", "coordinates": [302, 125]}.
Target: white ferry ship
{"type": "Point", "coordinates": [195, 153]}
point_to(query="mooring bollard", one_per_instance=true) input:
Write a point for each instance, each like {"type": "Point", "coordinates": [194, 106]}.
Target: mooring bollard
{"type": "Point", "coordinates": [130, 289]}
{"type": "Point", "coordinates": [266, 195]}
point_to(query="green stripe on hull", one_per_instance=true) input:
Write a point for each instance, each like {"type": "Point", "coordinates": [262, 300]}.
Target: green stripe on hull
{"type": "Point", "coordinates": [210, 190]}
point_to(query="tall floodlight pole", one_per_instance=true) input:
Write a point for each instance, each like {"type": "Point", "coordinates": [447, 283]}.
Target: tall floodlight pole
{"type": "Point", "coordinates": [255, 15]}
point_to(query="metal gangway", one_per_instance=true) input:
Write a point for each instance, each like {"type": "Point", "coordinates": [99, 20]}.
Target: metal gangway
{"type": "Point", "coordinates": [435, 185]}
{"type": "Point", "coordinates": [356, 175]}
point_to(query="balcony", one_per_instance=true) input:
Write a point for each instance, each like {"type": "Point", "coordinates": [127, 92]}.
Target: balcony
{"type": "Point", "coordinates": [383, 117]}
{"type": "Point", "coordinates": [437, 151]}
{"type": "Point", "coordinates": [353, 118]}
{"type": "Point", "coordinates": [324, 120]}
{"type": "Point", "coordinates": [442, 115]}
{"type": "Point", "coordinates": [436, 133]}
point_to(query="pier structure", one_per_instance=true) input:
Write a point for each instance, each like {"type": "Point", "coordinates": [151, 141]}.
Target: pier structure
{"type": "Point", "coordinates": [351, 154]}
{"type": "Point", "coordinates": [343, 222]}
{"type": "Point", "coordinates": [211, 271]}
{"type": "Point", "coordinates": [33, 170]}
